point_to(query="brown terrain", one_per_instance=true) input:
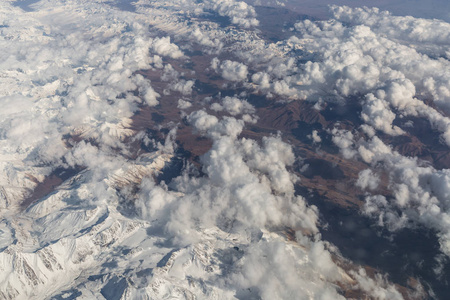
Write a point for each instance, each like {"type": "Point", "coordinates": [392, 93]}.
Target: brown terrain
{"type": "Point", "coordinates": [329, 180]}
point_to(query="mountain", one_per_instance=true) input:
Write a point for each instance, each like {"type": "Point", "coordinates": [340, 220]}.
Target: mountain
{"type": "Point", "coordinates": [222, 150]}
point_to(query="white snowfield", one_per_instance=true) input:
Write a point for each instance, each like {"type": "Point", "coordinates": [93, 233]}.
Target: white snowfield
{"type": "Point", "coordinates": [64, 236]}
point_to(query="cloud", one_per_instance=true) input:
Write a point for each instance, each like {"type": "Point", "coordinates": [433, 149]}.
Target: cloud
{"type": "Point", "coordinates": [315, 137]}
{"type": "Point", "coordinates": [233, 70]}
{"type": "Point", "coordinates": [269, 270]}
{"type": "Point", "coordinates": [246, 186]}
{"type": "Point", "coordinates": [375, 112]}
{"type": "Point", "coordinates": [378, 287]}
{"type": "Point", "coordinates": [73, 74]}
{"type": "Point", "coordinates": [363, 56]}
{"type": "Point", "coordinates": [239, 12]}
{"type": "Point", "coordinates": [218, 229]}
{"type": "Point", "coordinates": [203, 38]}
{"type": "Point", "coordinates": [343, 139]}
{"type": "Point", "coordinates": [420, 192]}
{"type": "Point", "coordinates": [234, 106]}
{"type": "Point", "coordinates": [202, 121]}
{"type": "Point", "coordinates": [241, 176]}
{"type": "Point", "coordinates": [265, 267]}
{"type": "Point", "coordinates": [149, 95]}
{"type": "Point", "coordinates": [262, 79]}
{"type": "Point", "coordinates": [215, 63]}
{"type": "Point", "coordinates": [367, 180]}
{"type": "Point", "coordinates": [417, 30]}
{"type": "Point", "coordinates": [182, 86]}
{"type": "Point", "coordinates": [164, 47]}
{"type": "Point", "coordinates": [183, 104]}
{"type": "Point", "coordinates": [246, 191]}
{"type": "Point", "coordinates": [433, 9]}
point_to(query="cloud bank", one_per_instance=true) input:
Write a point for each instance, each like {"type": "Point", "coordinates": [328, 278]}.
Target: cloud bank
{"type": "Point", "coordinates": [230, 224]}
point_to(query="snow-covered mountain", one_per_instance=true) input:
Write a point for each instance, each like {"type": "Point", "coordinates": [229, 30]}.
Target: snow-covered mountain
{"type": "Point", "coordinates": [222, 150]}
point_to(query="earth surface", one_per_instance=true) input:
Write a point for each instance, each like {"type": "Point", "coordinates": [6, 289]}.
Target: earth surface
{"type": "Point", "coordinates": [222, 149]}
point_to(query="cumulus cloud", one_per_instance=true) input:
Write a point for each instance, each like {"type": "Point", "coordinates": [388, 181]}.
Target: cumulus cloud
{"type": "Point", "coordinates": [361, 55]}
{"type": "Point", "coordinates": [210, 125]}
{"type": "Point", "coordinates": [149, 95]}
{"type": "Point", "coordinates": [343, 139]}
{"type": "Point", "coordinates": [175, 81]}
{"type": "Point", "coordinates": [203, 38]}
{"type": "Point", "coordinates": [183, 104]}
{"type": "Point", "coordinates": [233, 70]}
{"type": "Point", "coordinates": [215, 63]}
{"type": "Point", "coordinates": [262, 79]}
{"type": "Point", "coordinates": [234, 106]}
{"type": "Point", "coordinates": [315, 136]}
{"type": "Point", "coordinates": [74, 79]}
{"type": "Point", "coordinates": [239, 12]}
{"type": "Point", "coordinates": [420, 191]}
{"type": "Point", "coordinates": [202, 121]}
{"type": "Point", "coordinates": [164, 47]}
{"type": "Point", "coordinates": [182, 86]}
{"type": "Point", "coordinates": [248, 183]}
{"type": "Point", "coordinates": [367, 180]}
{"type": "Point", "coordinates": [71, 88]}
{"type": "Point", "coordinates": [270, 259]}
{"type": "Point", "coordinates": [375, 112]}
{"type": "Point", "coordinates": [429, 31]}
{"type": "Point", "coordinates": [247, 191]}
{"type": "Point", "coordinates": [377, 287]}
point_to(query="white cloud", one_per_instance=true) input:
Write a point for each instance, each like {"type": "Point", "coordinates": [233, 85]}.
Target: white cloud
{"type": "Point", "coordinates": [377, 287]}
{"type": "Point", "coordinates": [234, 106]}
{"type": "Point", "coordinates": [182, 86]}
{"type": "Point", "coordinates": [215, 63]}
{"type": "Point", "coordinates": [233, 70]}
{"type": "Point", "coordinates": [429, 31]}
{"type": "Point", "coordinates": [241, 176]}
{"type": "Point", "coordinates": [315, 136]}
{"type": "Point", "coordinates": [432, 9]}
{"type": "Point", "coordinates": [72, 71]}
{"type": "Point", "coordinates": [367, 180]}
{"type": "Point", "coordinates": [239, 12]}
{"type": "Point", "coordinates": [420, 192]}
{"type": "Point", "coordinates": [202, 121]}
{"type": "Point", "coordinates": [150, 97]}
{"type": "Point", "coordinates": [203, 38]}
{"type": "Point", "coordinates": [362, 55]}
{"type": "Point", "coordinates": [183, 104]}
{"type": "Point", "coordinates": [164, 47]}
{"type": "Point", "coordinates": [247, 190]}
{"type": "Point", "coordinates": [262, 79]}
{"type": "Point", "coordinates": [343, 139]}
{"type": "Point", "coordinates": [376, 112]}
{"type": "Point", "coordinates": [271, 259]}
